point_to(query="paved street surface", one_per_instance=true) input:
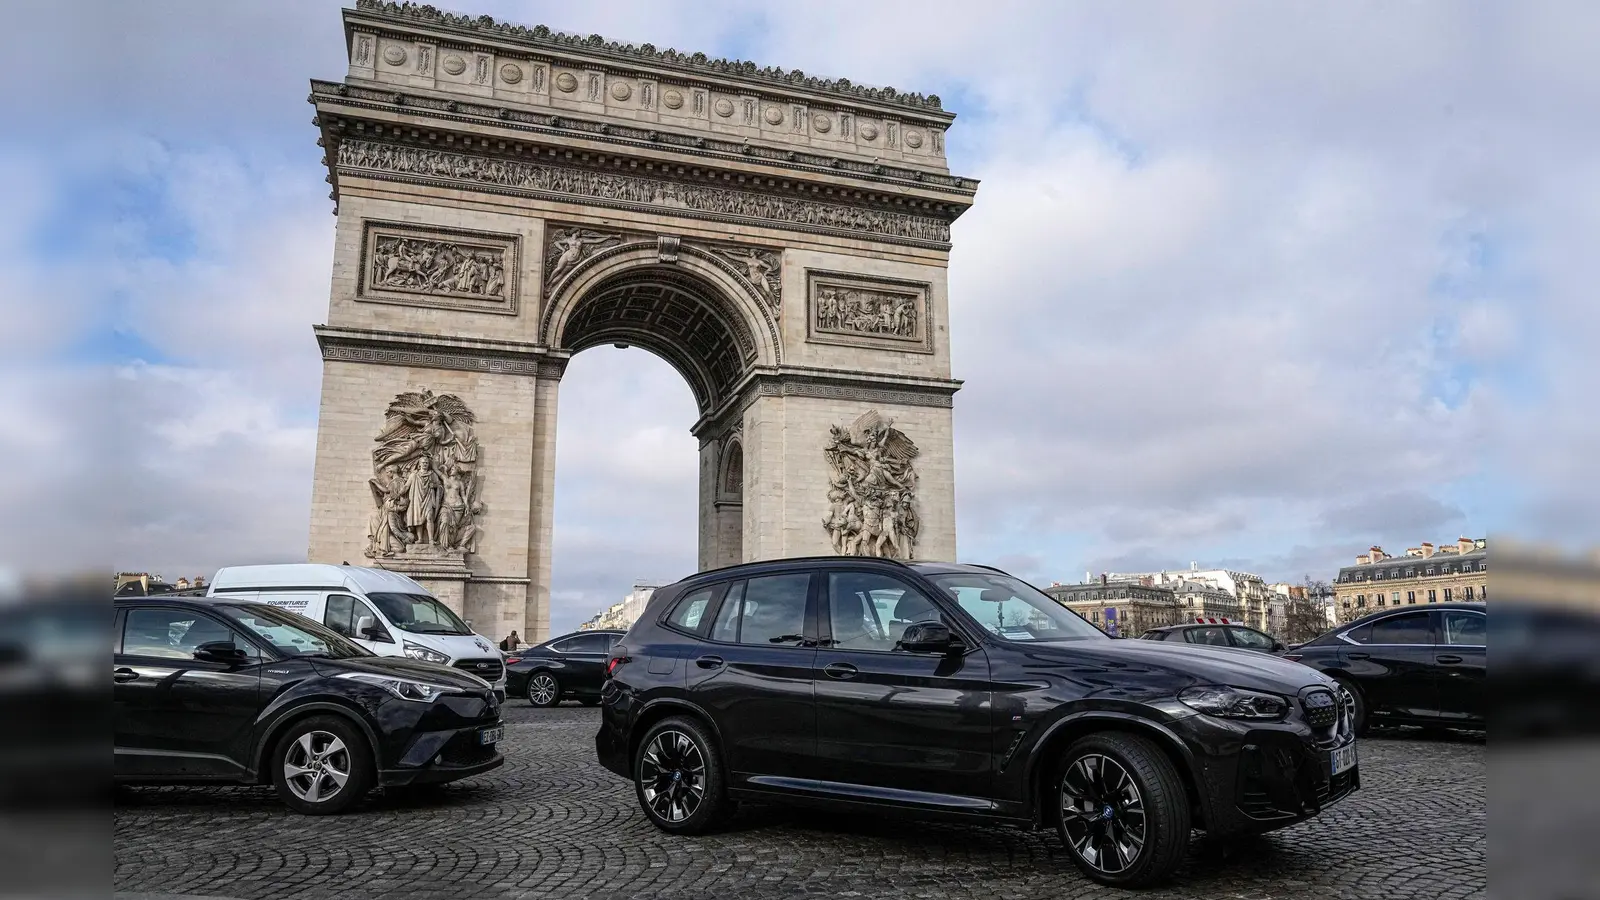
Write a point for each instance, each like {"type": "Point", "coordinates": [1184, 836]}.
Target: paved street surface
{"type": "Point", "coordinates": [551, 823]}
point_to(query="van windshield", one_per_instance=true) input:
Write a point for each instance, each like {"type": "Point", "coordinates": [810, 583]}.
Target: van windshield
{"type": "Point", "coordinates": [418, 614]}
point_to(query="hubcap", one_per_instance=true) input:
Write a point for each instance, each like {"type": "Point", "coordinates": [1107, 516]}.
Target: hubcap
{"type": "Point", "coordinates": [1102, 813]}
{"type": "Point", "coordinates": [672, 776]}
{"type": "Point", "coordinates": [542, 690]}
{"type": "Point", "coordinates": [317, 766]}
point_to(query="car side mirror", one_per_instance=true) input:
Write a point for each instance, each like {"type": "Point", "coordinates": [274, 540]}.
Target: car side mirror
{"type": "Point", "coordinates": [1278, 647]}
{"type": "Point", "coordinates": [928, 637]}
{"type": "Point", "coordinates": [223, 652]}
{"type": "Point", "coordinates": [367, 627]}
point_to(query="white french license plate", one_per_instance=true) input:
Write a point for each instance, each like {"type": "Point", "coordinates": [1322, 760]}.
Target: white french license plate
{"type": "Point", "coordinates": [490, 735]}
{"type": "Point", "coordinates": [1344, 758]}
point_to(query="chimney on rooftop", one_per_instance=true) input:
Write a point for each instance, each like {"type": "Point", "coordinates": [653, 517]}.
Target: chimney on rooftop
{"type": "Point", "coordinates": [1377, 554]}
{"type": "Point", "coordinates": [1465, 545]}
{"type": "Point", "coordinates": [1427, 549]}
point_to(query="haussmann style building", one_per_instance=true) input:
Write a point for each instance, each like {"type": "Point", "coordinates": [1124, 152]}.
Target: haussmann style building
{"type": "Point", "coordinates": [1425, 574]}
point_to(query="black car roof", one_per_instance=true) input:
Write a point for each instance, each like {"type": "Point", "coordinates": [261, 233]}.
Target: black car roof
{"type": "Point", "coordinates": [1474, 605]}
{"type": "Point", "coordinates": [927, 568]}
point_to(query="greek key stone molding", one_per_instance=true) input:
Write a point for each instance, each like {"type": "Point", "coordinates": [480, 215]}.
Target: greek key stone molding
{"type": "Point", "coordinates": [541, 37]}
{"type": "Point", "coordinates": [863, 311]}
{"type": "Point", "coordinates": [656, 195]}
{"type": "Point", "coordinates": [438, 267]}
{"type": "Point", "coordinates": [390, 348]}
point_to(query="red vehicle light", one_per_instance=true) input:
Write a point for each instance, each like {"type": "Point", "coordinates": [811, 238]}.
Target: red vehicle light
{"type": "Point", "coordinates": [615, 662]}
{"type": "Point", "coordinates": [512, 660]}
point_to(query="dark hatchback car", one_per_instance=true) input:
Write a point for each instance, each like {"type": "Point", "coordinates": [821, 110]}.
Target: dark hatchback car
{"type": "Point", "coordinates": [208, 691]}
{"type": "Point", "coordinates": [1217, 634]}
{"type": "Point", "coordinates": [1410, 666]}
{"type": "Point", "coordinates": [569, 667]}
{"type": "Point", "coordinates": [960, 691]}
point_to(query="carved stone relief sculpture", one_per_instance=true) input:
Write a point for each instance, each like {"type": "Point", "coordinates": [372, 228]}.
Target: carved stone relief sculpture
{"type": "Point", "coordinates": [567, 248]}
{"type": "Point", "coordinates": [872, 489]}
{"type": "Point", "coordinates": [437, 267]}
{"type": "Point", "coordinates": [762, 268]}
{"type": "Point", "coordinates": [424, 481]}
{"type": "Point", "coordinates": [867, 312]}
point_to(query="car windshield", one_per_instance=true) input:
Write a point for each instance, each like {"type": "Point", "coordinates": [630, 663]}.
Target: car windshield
{"type": "Point", "coordinates": [293, 634]}
{"type": "Point", "coordinates": [1015, 610]}
{"type": "Point", "coordinates": [419, 614]}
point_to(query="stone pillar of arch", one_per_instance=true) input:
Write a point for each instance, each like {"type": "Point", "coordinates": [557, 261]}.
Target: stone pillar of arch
{"type": "Point", "coordinates": [507, 198]}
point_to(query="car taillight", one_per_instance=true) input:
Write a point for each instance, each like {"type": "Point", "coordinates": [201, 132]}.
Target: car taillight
{"type": "Point", "coordinates": [615, 662]}
{"type": "Point", "coordinates": [513, 660]}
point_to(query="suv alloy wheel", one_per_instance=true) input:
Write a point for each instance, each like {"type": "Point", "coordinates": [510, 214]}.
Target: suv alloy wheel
{"type": "Point", "coordinates": [678, 777]}
{"type": "Point", "coordinates": [322, 765]}
{"type": "Point", "coordinates": [544, 690]}
{"type": "Point", "coordinates": [1124, 813]}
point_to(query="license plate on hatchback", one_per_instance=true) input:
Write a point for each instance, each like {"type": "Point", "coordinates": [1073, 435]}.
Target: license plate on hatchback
{"type": "Point", "coordinates": [491, 735]}
{"type": "Point", "coordinates": [1344, 758]}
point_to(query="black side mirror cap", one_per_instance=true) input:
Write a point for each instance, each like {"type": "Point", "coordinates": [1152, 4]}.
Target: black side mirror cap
{"type": "Point", "coordinates": [225, 652]}
{"type": "Point", "coordinates": [929, 637]}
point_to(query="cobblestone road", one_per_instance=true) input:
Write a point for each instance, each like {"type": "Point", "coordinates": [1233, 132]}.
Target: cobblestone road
{"type": "Point", "coordinates": [551, 823]}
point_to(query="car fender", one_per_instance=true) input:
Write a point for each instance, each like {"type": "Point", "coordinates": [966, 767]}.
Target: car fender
{"type": "Point", "coordinates": [268, 726]}
{"type": "Point", "coordinates": [1112, 720]}
{"type": "Point", "coordinates": [650, 707]}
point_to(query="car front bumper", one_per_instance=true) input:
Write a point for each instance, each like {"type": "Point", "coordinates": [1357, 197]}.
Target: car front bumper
{"type": "Point", "coordinates": [1258, 777]}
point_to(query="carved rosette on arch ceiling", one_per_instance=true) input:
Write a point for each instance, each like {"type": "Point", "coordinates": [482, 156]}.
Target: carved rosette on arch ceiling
{"type": "Point", "coordinates": [425, 479]}
{"type": "Point", "coordinates": [872, 489]}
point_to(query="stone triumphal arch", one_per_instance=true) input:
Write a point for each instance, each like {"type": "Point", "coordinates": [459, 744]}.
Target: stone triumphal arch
{"type": "Point", "coordinates": [508, 197]}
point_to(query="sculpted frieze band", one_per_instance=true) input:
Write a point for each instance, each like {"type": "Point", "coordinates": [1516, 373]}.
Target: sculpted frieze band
{"type": "Point", "coordinates": [431, 267]}
{"type": "Point", "coordinates": [868, 312]}
{"type": "Point", "coordinates": [656, 193]}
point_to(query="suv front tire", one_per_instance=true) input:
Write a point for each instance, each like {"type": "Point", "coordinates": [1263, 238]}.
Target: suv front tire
{"type": "Point", "coordinates": [1124, 815]}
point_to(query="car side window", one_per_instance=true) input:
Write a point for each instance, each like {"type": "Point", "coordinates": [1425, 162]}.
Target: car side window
{"type": "Point", "coordinates": [1410, 628]}
{"type": "Point", "coordinates": [173, 633]}
{"type": "Point", "coordinates": [587, 643]}
{"type": "Point", "coordinates": [868, 611]}
{"type": "Point", "coordinates": [771, 610]}
{"type": "Point", "coordinates": [726, 627]}
{"type": "Point", "coordinates": [1251, 640]}
{"type": "Point", "coordinates": [570, 645]}
{"type": "Point", "coordinates": [1466, 629]}
{"type": "Point", "coordinates": [690, 610]}
{"type": "Point", "coordinates": [1214, 637]}
{"type": "Point", "coordinates": [339, 615]}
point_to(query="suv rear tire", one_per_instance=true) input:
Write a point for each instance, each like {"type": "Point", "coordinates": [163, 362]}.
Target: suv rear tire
{"type": "Point", "coordinates": [1124, 814]}
{"type": "Point", "coordinates": [322, 765]}
{"type": "Point", "coordinates": [677, 774]}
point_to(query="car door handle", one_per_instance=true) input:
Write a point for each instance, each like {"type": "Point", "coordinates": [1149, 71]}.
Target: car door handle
{"type": "Point", "coordinates": [841, 671]}
{"type": "Point", "coordinates": [1359, 655]}
{"type": "Point", "coordinates": [1448, 659]}
{"type": "Point", "coordinates": [709, 662]}
{"type": "Point", "coordinates": [123, 675]}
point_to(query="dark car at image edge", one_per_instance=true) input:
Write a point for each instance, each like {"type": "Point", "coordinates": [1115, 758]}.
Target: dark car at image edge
{"type": "Point", "coordinates": [209, 691]}
{"type": "Point", "coordinates": [957, 691]}
{"type": "Point", "coordinates": [569, 667]}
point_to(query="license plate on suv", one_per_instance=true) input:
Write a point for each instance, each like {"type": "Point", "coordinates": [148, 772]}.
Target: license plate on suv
{"type": "Point", "coordinates": [1343, 759]}
{"type": "Point", "coordinates": [491, 735]}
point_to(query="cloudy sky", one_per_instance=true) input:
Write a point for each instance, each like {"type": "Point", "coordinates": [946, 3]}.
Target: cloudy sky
{"type": "Point", "coordinates": [1255, 284]}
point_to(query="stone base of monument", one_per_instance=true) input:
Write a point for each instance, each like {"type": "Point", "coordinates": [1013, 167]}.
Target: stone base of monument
{"type": "Point", "coordinates": [443, 572]}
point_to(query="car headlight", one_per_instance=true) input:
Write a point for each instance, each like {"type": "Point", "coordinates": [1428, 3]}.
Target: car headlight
{"type": "Point", "coordinates": [426, 654]}
{"type": "Point", "coordinates": [404, 688]}
{"type": "Point", "coordinates": [1234, 703]}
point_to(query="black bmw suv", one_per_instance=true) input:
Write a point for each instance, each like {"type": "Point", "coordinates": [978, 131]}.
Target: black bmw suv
{"type": "Point", "coordinates": [960, 691]}
{"type": "Point", "coordinates": [216, 691]}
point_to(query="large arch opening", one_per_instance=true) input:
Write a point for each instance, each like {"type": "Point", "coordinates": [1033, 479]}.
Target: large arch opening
{"type": "Point", "coordinates": [637, 497]}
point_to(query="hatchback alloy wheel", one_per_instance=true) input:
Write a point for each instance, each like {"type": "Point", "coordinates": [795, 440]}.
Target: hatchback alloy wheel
{"type": "Point", "coordinates": [322, 765]}
{"type": "Point", "coordinates": [1103, 813]}
{"type": "Point", "coordinates": [672, 773]}
{"type": "Point", "coordinates": [543, 690]}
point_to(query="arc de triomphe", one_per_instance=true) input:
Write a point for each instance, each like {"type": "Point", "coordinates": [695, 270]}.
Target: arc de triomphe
{"type": "Point", "coordinates": [509, 196]}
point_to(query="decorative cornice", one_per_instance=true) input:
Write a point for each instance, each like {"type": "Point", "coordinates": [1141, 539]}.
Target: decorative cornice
{"type": "Point", "coordinates": [541, 37]}
{"type": "Point", "coordinates": [565, 124]}
{"type": "Point", "coordinates": [864, 387]}
{"type": "Point", "coordinates": [432, 351]}
{"type": "Point", "coordinates": [619, 191]}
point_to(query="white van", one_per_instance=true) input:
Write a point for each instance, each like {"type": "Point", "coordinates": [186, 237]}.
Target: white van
{"type": "Point", "coordinates": [383, 611]}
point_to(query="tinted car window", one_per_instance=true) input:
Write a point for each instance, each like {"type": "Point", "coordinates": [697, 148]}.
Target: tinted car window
{"type": "Point", "coordinates": [862, 607]}
{"type": "Point", "coordinates": [1466, 629]}
{"type": "Point", "coordinates": [1013, 609]}
{"type": "Point", "coordinates": [170, 633]}
{"type": "Point", "coordinates": [339, 615]}
{"type": "Point", "coordinates": [726, 628]}
{"type": "Point", "coordinates": [690, 610]}
{"type": "Point", "coordinates": [772, 609]}
{"type": "Point", "coordinates": [1215, 637]}
{"type": "Point", "coordinates": [587, 643]}
{"type": "Point", "coordinates": [1411, 628]}
{"type": "Point", "coordinates": [1251, 640]}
